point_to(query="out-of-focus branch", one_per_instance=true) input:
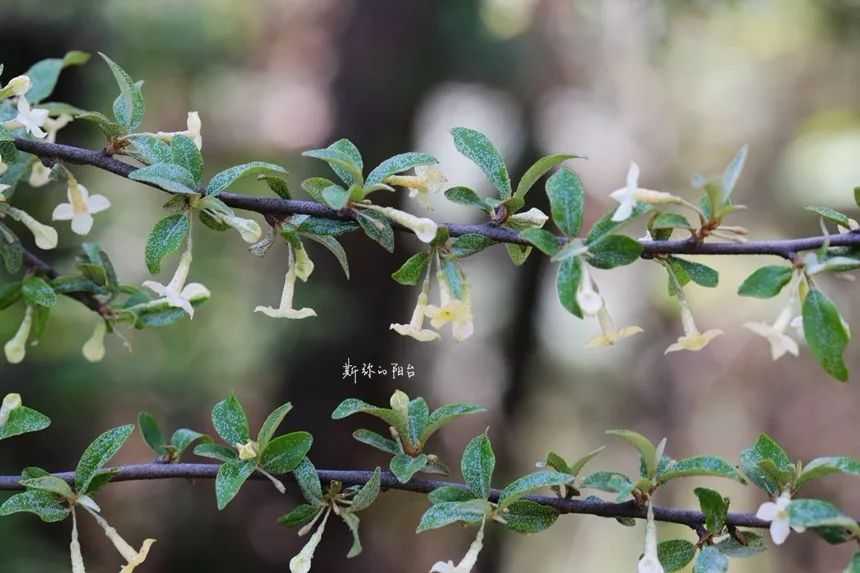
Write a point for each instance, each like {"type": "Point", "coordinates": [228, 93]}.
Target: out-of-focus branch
{"type": "Point", "coordinates": [348, 478]}
{"type": "Point", "coordinates": [33, 262]}
{"type": "Point", "coordinates": [787, 248]}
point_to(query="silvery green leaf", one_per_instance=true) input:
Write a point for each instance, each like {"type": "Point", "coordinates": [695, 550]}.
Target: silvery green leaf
{"type": "Point", "coordinates": [309, 482]}
{"type": "Point", "coordinates": [230, 421]}
{"type": "Point", "coordinates": [231, 475]}
{"type": "Point", "coordinates": [449, 493]}
{"type": "Point", "coordinates": [224, 179]}
{"type": "Point", "coordinates": [566, 199]}
{"type": "Point", "coordinates": [528, 517]}
{"type": "Point", "coordinates": [404, 466]}
{"type": "Point", "coordinates": [477, 465]}
{"type": "Point", "coordinates": [445, 414]}
{"type": "Point", "coordinates": [675, 554]}
{"type": "Point", "coordinates": [477, 147]}
{"type": "Point", "coordinates": [538, 169]}
{"type": "Point", "coordinates": [299, 515]}
{"type": "Point", "coordinates": [644, 445]}
{"type": "Point", "coordinates": [284, 453]}
{"type": "Point", "coordinates": [825, 333]}
{"type": "Point", "coordinates": [49, 507]}
{"type": "Point", "coordinates": [819, 513]}
{"type": "Point", "coordinates": [170, 177]}
{"type": "Point", "coordinates": [710, 560]}
{"type": "Point", "coordinates": [128, 106]}
{"type": "Point", "coordinates": [273, 420]}
{"type": "Point", "coordinates": [715, 507]}
{"type": "Point", "coordinates": [50, 484]}
{"type": "Point", "coordinates": [151, 433]}
{"type": "Point", "coordinates": [166, 236]}
{"type": "Point", "coordinates": [44, 74]}
{"type": "Point", "coordinates": [765, 448]}
{"type": "Point", "coordinates": [37, 292]}
{"type": "Point", "coordinates": [97, 454]}
{"type": "Point", "coordinates": [820, 467]}
{"type": "Point", "coordinates": [766, 282]}
{"type": "Point", "coordinates": [367, 494]}
{"type": "Point", "coordinates": [148, 148]}
{"type": "Point", "coordinates": [341, 163]}
{"type": "Point", "coordinates": [411, 271]}
{"type": "Point", "coordinates": [531, 483]}
{"type": "Point", "coordinates": [397, 164]}
{"type": "Point", "coordinates": [183, 437]}
{"type": "Point", "coordinates": [446, 513]}
{"type": "Point", "coordinates": [733, 173]}
{"type": "Point", "coordinates": [701, 466]}
{"type": "Point", "coordinates": [184, 152]}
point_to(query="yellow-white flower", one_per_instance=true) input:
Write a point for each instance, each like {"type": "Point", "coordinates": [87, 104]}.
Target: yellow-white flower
{"type": "Point", "coordinates": [301, 563]}
{"type": "Point", "coordinates": [780, 342]}
{"type": "Point", "coordinates": [45, 236]}
{"type": "Point", "coordinates": [94, 348]}
{"type": "Point", "coordinates": [650, 562]}
{"type": "Point", "coordinates": [194, 125]}
{"type": "Point", "coordinates": [17, 86]}
{"type": "Point", "coordinates": [631, 194]}
{"type": "Point", "coordinates": [426, 182]}
{"type": "Point", "coordinates": [16, 348]}
{"type": "Point", "coordinates": [80, 208]}
{"type": "Point", "coordinates": [285, 309]}
{"type": "Point", "coordinates": [456, 311]}
{"type": "Point", "coordinates": [55, 124]}
{"type": "Point", "coordinates": [10, 402]}
{"type": "Point", "coordinates": [777, 514]}
{"type": "Point", "coordinates": [415, 328]}
{"type": "Point", "coordinates": [587, 297]}
{"type": "Point", "coordinates": [610, 335]}
{"type": "Point", "coordinates": [176, 293]}
{"type": "Point", "coordinates": [468, 561]}
{"type": "Point", "coordinates": [692, 339]}
{"type": "Point", "coordinates": [40, 174]}
{"type": "Point", "coordinates": [133, 557]}
{"type": "Point", "coordinates": [424, 228]}
{"type": "Point", "coordinates": [31, 120]}
{"type": "Point", "coordinates": [248, 451]}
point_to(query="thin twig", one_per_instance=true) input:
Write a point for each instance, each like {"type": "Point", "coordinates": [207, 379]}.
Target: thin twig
{"type": "Point", "coordinates": [33, 262]}
{"type": "Point", "coordinates": [629, 509]}
{"type": "Point", "coordinates": [272, 205]}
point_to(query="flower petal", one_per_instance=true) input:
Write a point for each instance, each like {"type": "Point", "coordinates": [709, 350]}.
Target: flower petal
{"type": "Point", "coordinates": [63, 212]}
{"type": "Point", "coordinates": [779, 530]}
{"type": "Point", "coordinates": [97, 204]}
{"type": "Point", "coordinates": [82, 223]}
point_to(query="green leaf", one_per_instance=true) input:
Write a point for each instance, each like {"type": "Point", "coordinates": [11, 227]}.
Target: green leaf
{"type": "Point", "coordinates": [148, 148]}
{"type": "Point", "coordinates": [322, 226]}
{"type": "Point", "coordinates": [97, 454]}
{"type": "Point", "coordinates": [614, 251]}
{"type": "Point", "coordinates": [818, 513]}
{"type": "Point", "coordinates": [710, 560]}
{"type": "Point", "coordinates": [701, 466]}
{"type": "Point", "coordinates": [825, 333]}
{"type": "Point", "coordinates": [277, 184]}
{"type": "Point", "coordinates": [285, 453]}
{"type": "Point", "coordinates": [467, 197]}
{"type": "Point", "coordinates": [518, 253]}
{"type": "Point", "coordinates": [821, 467]}
{"type": "Point", "coordinates": [854, 564]}
{"type": "Point", "coordinates": [151, 433]}
{"type": "Point", "coordinates": [335, 197]}
{"type": "Point", "coordinates": [11, 250]}
{"type": "Point", "coordinates": [469, 244]}
{"type": "Point", "coordinates": [764, 449]}
{"type": "Point", "coordinates": [377, 227]}
{"type": "Point", "coordinates": [167, 176]}
{"type": "Point", "coordinates": [352, 522]}
{"type": "Point", "coordinates": [48, 507]}
{"type": "Point", "coordinates": [411, 271]}
{"type": "Point", "coordinates": [702, 275]}
{"type": "Point", "coordinates": [44, 74]}
{"type": "Point", "coordinates": [341, 163]}
{"type": "Point", "coordinates": [336, 249]}
{"type": "Point", "coordinates": [566, 199]}
{"type": "Point", "coordinates": [224, 179]}
{"type": "Point", "coordinates": [531, 483]}
{"type": "Point", "coordinates": [9, 294]}
{"type": "Point", "coordinates": [577, 466]}
{"type": "Point", "coordinates": [267, 430]}
{"type": "Point", "coordinates": [185, 153]}
{"type": "Point", "coordinates": [766, 282]}
{"type": "Point", "coordinates": [367, 494]}
{"type": "Point", "coordinates": [446, 513]}
{"type": "Point", "coordinates": [715, 507]}
{"type": "Point", "coordinates": [23, 420]}
{"type": "Point", "coordinates": [231, 475]}
{"type": "Point", "coordinates": [299, 515]}
{"type": "Point", "coordinates": [449, 493]}
{"type": "Point", "coordinates": [830, 214]}
{"type": "Point", "coordinates": [733, 173]}
{"type": "Point", "coordinates": [612, 482]}
{"type": "Point", "coordinates": [669, 221]}
{"type": "Point", "coordinates": [376, 441]}
{"type": "Point", "coordinates": [230, 421]}
{"type": "Point", "coordinates": [109, 127]}
{"type": "Point", "coordinates": [548, 243]}
{"type": "Point", "coordinates": [417, 413]}
{"type": "Point", "coordinates": [74, 283]}
{"type": "Point", "coordinates": [675, 554]}
{"type": "Point", "coordinates": [313, 186]}
{"type": "Point", "coordinates": [606, 226]}
{"type": "Point", "coordinates": [50, 484]}
{"type": "Point", "coordinates": [528, 517]}
{"type": "Point", "coordinates": [478, 148]}
{"type": "Point", "coordinates": [404, 467]}
{"type": "Point", "coordinates": [128, 106]}
{"type": "Point", "coordinates": [567, 284]}
{"type": "Point", "coordinates": [37, 292]}
{"type": "Point", "coordinates": [645, 447]}
{"type": "Point", "coordinates": [309, 482]}
{"type": "Point", "coordinates": [352, 406]}
{"type": "Point", "coordinates": [350, 150]}
{"type": "Point", "coordinates": [538, 169]}
{"type": "Point", "coordinates": [731, 547]}
{"type": "Point", "coordinates": [477, 465]}
{"type": "Point", "coordinates": [857, 196]}
{"type": "Point", "coordinates": [166, 236]}
{"type": "Point", "coordinates": [183, 437]}
{"type": "Point", "coordinates": [397, 164]}
{"type": "Point", "coordinates": [215, 452]}
{"type": "Point", "coordinates": [445, 414]}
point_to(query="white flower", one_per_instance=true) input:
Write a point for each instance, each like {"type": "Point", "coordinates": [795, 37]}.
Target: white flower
{"type": "Point", "coordinates": [194, 125]}
{"type": "Point", "coordinates": [631, 194]}
{"type": "Point", "coordinates": [248, 451]}
{"type": "Point", "coordinates": [469, 560]}
{"type": "Point", "coordinates": [94, 348]}
{"type": "Point", "coordinates": [16, 348]}
{"type": "Point", "coordinates": [650, 561]}
{"type": "Point", "coordinates": [426, 182]}
{"type": "Point", "coordinates": [588, 299]}
{"type": "Point", "coordinates": [780, 343]}
{"type": "Point", "coordinates": [10, 402]}
{"type": "Point", "coordinates": [692, 338]}
{"type": "Point", "coordinates": [610, 335]}
{"type": "Point", "coordinates": [40, 174]}
{"type": "Point", "coordinates": [53, 125]}
{"type": "Point", "coordinates": [80, 208]}
{"type": "Point", "coordinates": [176, 292]}
{"type": "Point", "coordinates": [31, 120]}
{"type": "Point", "coordinates": [456, 311]}
{"type": "Point", "coordinates": [45, 236]}
{"type": "Point", "coordinates": [777, 515]}
{"type": "Point", "coordinates": [424, 229]}
{"type": "Point", "coordinates": [797, 324]}
{"type": "Point", "coordinates": [415, 328]}
{"type": "Point", "coordinates": [533, 218]}
{"type": "Point", "coordinates": [133, 557]}
{"type": "Point", "coordinates": [301, 563]}
{"type": "Point", "coordinates": [285, 309]}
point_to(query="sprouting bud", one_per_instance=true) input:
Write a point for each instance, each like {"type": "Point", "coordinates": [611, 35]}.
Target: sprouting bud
{"type": "Point", "coordinates": [399, 401]}
{"type": "Point", "coordinates": [248, 451]}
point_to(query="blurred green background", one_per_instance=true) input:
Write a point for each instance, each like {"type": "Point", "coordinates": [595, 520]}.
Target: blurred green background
{"type": "Point", "coordinates": [677, 86]}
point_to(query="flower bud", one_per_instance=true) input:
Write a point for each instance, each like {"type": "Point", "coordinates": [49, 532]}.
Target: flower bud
{"type": "Point", "coordinates": [10, 402]}
{"type": "Point", "coordinates": [249, 450]}
{"type": "Point", "coordinates": [45, 236]}
{"type": "Point", "coordinates": [534, 218]}
{"type": "Point", "coordinates": [16, 348]}
{"type": "Point", "coordinates": [94, 348]}
{"type": "Point", "coordinates": [19, 85]}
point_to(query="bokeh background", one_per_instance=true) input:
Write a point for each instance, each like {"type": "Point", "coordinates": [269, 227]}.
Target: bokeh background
{"type": "Point", "coordinates": [677, 86]}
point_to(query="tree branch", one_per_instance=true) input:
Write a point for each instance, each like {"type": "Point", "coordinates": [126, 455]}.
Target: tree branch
{"type": "Point", "coordinates": [786, 249]}
{"type": "Point", "coordinates": [32, 261]}
{"type": "Point", "coordinates": [629, 509]}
